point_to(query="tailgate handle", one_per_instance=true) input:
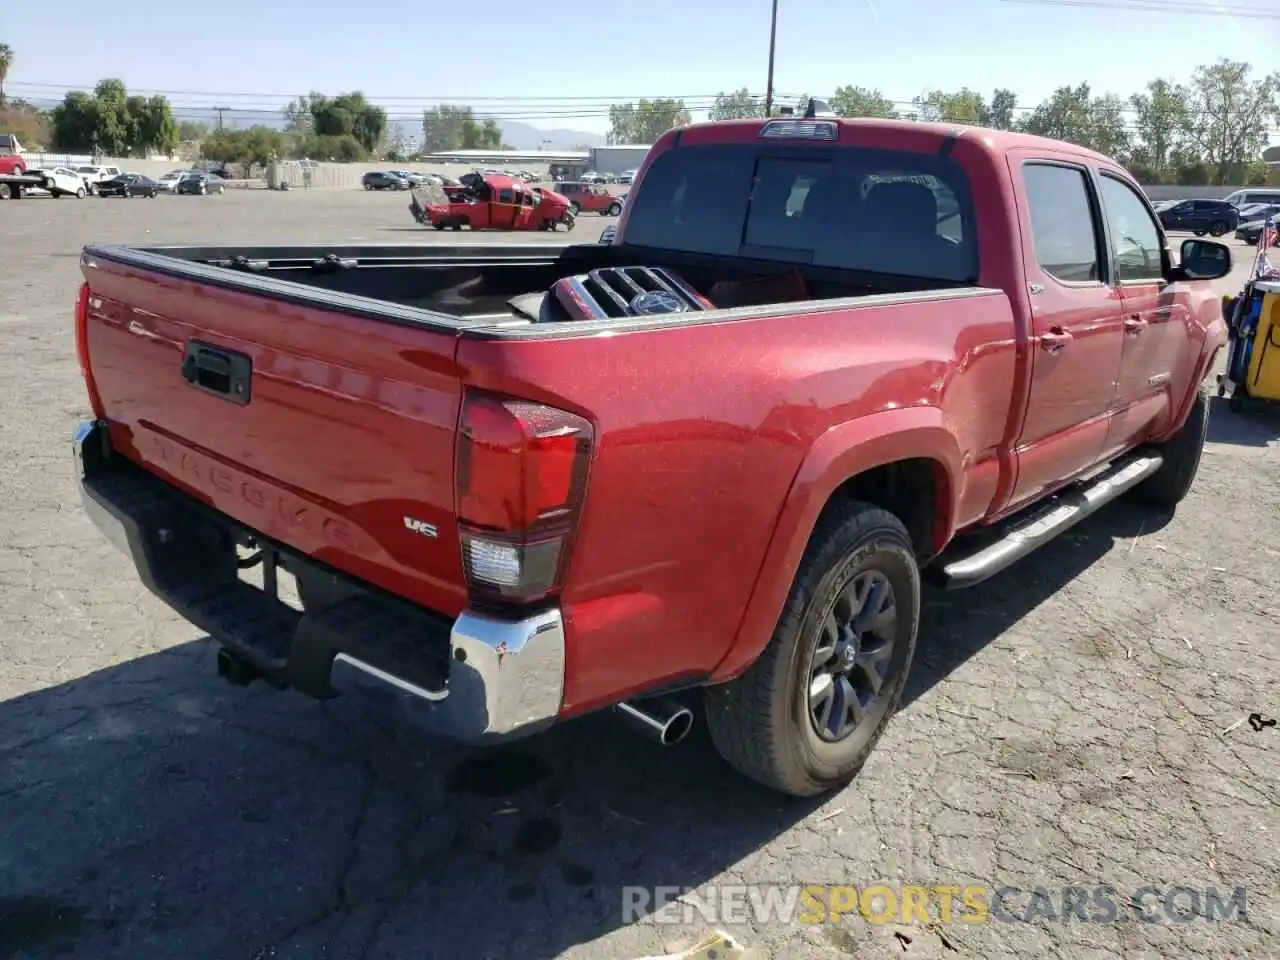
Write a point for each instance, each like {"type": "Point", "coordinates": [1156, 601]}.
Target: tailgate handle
{"type": "Point", "coordinates": [224, 373]}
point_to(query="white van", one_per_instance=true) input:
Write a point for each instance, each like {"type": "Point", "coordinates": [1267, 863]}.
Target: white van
{"type": "Point", "coordinates": [1242, 198]}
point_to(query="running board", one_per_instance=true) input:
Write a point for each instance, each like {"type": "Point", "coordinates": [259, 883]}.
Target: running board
{"type": "Point", "coordinates": [1019, 536]}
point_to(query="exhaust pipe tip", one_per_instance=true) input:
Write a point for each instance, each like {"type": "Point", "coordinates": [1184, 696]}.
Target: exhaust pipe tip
{"type": "Point", "coordinates": [661, 720]}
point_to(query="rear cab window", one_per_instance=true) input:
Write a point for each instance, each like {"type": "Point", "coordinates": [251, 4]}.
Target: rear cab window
{"type": "Point", "coordinates": [854, 208]}
{"type": "Point", "coordinates": [1064, 228]}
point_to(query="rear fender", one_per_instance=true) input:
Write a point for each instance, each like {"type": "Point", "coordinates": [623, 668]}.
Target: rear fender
{"type": "Point", "coordinates": [843, 452]}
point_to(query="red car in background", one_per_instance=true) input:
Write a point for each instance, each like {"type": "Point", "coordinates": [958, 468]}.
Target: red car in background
{"type": "Point", "coordinates": [590, 197]}
{"type": "Point", "coordinates": [491, 202]}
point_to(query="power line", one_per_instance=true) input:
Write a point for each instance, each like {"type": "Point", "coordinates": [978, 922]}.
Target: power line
{"type": "Point", "coordinates": [1159, 6]}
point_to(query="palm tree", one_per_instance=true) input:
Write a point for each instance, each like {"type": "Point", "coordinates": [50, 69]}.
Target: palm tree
{"type": "Point", "coordinates": [6, 61]}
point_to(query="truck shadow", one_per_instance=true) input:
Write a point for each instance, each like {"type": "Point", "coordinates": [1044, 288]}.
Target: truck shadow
{"type": "Point", "coordinates": [955, 626]}
{"type": "Point", "coordinates": [1258, 426]}
{"type": "Point", "coordinates": [152, 809]}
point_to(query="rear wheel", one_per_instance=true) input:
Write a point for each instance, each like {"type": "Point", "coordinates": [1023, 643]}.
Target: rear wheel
{"type": "Point", "coordinates": [807, 714]}
{"type": "Point", "coordinates": [1198, 233]}
{"type": "Point", "coordinates": [1218, 229]}
{"type": "Point", "coordinates": [6, 192]}
{"type": "Point", "coordinates": [1169, 486]}
{"type": "Point", "coordinates": [614, 210]}
{"type": "Point", "coordinates": [81, 194]}
{"type": "Point", "coordinates": [438, 226]}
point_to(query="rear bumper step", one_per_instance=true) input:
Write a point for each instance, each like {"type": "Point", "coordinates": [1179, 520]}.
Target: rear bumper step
{"type": "Point", "coordinates": [477, 679]}
{"type": "Point", "coordinates": [1012, 540]}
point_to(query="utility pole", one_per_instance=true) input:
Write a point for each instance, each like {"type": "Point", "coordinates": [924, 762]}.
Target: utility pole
{"type": "Point", "coordinates": [220, 112]}
{"type": "Point", "coordinates": [773, 40]}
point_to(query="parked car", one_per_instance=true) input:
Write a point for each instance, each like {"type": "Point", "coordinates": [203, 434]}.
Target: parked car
{"type": "Point", "coordinates": [169, 182]}
{"type": "Point", "coordinates": [1251, 230]}
{"type": "Point", "coordinates": [129, 185]}
{"type": "Point", "coordinates": [1214, 217]}
{"type": "Point", "coordinates": [554, 519]}
{"type": "Point", "coordinates": [63, 182]}
{"type": "Point", "coordinates": [94, 175]}
{"type": "Point", "coordinates": [380, 180]}
{"type": "Point", "coordinates": [1242, 198]}
{"type": "Point", "coordinates": [201, 184]}
{"type": "Point", "coordinates": [413, 179]}
{"type": "Point", "coordinates": [627, 177]}
{"type": "Point", "coordinates": [590, 197]}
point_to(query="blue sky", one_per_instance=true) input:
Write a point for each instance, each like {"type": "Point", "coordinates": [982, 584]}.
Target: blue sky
{"type": "Point", "coordinates": [395, 52]}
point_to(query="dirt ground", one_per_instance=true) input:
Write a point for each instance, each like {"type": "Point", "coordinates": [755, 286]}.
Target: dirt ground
{"type": "Point", "coordinates": [1066, 724]}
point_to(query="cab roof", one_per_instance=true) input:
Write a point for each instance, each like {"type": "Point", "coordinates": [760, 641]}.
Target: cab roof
{"type": "Point", "coordinates": [992, 141]}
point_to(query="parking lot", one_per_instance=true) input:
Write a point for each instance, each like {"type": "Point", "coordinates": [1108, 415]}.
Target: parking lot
{"type": "Point", "coordinates": [1073, 722]}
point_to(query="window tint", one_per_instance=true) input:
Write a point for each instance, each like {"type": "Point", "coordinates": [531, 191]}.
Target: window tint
{"type": "Point", "coordinates": [1062, 222]}
{"type": "Point", "coordinates": [869, 210]}
{"type": "Point", "coordinates": [506, 196]}
{"type": "Point", "coordinates": [1135, 239]}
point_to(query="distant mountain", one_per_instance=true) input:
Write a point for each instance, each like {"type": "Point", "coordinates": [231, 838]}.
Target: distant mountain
{"type": "Point", "coordinates": [522, 136]}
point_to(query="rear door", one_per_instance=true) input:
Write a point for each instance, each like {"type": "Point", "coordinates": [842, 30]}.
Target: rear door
{"type": "Point", "coordinates": [1076, 323]}
{"type": "Point", "coordinates": [1156, 320]}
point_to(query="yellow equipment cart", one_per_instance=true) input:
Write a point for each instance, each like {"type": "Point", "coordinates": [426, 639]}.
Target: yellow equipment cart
{"type": "Point", "coordinates": [1254, 365]}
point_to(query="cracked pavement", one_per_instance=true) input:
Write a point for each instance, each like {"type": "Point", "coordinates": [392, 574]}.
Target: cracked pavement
{"type": "Point", "coordinates": [1064, 726]}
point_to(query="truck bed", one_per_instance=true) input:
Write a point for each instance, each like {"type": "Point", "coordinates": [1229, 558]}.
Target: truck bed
{"type": "Point", "coordinates": [470, 287]}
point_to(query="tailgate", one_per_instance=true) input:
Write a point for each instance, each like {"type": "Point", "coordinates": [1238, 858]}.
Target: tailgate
{"type": "Point", "coordinates": [327, 432]}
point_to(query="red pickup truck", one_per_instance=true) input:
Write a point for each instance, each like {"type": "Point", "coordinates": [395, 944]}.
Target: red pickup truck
{"type": "Point", "coordinates": [707, 462]}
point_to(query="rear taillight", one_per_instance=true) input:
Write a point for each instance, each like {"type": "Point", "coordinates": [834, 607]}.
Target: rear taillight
{"type": "Point", "coordinates": [82, 350]}
{"type": "Point", "coordinates": [521, 476]}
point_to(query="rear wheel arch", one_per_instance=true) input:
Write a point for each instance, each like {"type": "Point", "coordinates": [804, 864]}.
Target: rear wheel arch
{"type": "Point", "coordinates": [911, 469]}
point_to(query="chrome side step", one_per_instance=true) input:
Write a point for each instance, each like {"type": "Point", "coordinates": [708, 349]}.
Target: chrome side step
{"type": "Point", "coordinates": [1024, 533]}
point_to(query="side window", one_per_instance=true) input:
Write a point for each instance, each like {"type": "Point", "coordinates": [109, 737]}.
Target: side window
{"type": "Point", "coordinates": [1135, 238]}
{"type": "Point", "coordinates": [1062, 224]}
{"type": "Point", "coordinates": [506, 196]}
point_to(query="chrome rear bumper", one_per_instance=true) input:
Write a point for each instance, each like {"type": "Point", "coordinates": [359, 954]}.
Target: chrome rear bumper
{"type": "Point", "coordinates": [477, 679]}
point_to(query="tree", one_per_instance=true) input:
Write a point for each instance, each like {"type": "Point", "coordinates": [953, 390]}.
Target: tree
{"type": "Point", "coordinates": [189, 130]}
{"type": "Point", "coordinates": [644, 121]}
{"type": "Point", "coordinates": [450, 127]}
{"type": "Point", "coordinates": [1161, 119]}
{"type": "Point", "coordinates": [862, 102]}
{"type": "Point", "coordinates": [6, 61]}
{"type": "Point", "coordinates": [346, 115]}
{"type": "Point", "coordinates": [1000, 114]}
{"type": "Point", "coordinates": [1228, 116]}
{"type": "Point", "coordinates": [297, 114]}
{"type": "Point", "coordinates": [962, 106]}
{"type": "Point", "coordinates": [75, 123]}
{"type": "Point", "coordinates": [29, 125]}
{"type": "Point", "coordinates": [155, 127]}
{"type": "Point", "coordinates": [738, 105]}
{"type": "Point", "coordinates": [256, 145]}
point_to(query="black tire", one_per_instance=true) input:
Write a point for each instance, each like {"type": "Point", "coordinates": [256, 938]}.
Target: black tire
{"type": "Point", "coordinates": [438, 226]}
{"type": "Point", "coordinates": [574, 207]}
{"type": "Point", "coordinates": [81, 194]}
{"type": "Point", "coordinates": [1217, 229]}
{"type": "Point", "coordinates": [761, 722]}
{"type": "Point", "coordinates": [1198, 233]}
{"type": "Point", "coordinates": [1169, 486]}
{"type": "Point", "coordinates": [614, 210]}
{"type": "Point", "coordinates": [456, 225]}
{"type": "Point", "coordinates": [6, 192]}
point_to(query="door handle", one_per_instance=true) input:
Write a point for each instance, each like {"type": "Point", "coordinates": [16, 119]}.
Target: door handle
{"type": "Point", "coordinates": [1054, 340]}
{"type": "Point", "coordinates": [1134, 325]}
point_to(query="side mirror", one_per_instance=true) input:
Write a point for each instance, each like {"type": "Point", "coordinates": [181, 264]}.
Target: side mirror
{"type": "Point", "coordinates": [1203, 260]}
